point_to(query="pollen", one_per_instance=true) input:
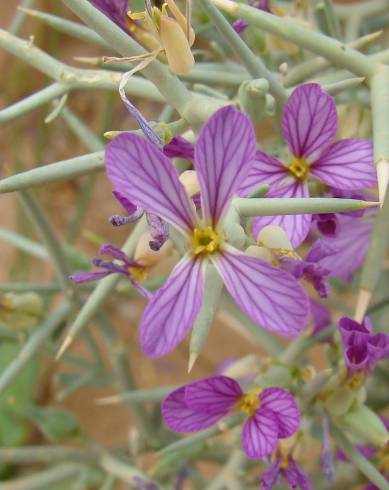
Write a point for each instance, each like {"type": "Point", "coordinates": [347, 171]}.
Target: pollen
{"type": "Point", "coordinates": [205, 241]}
{"type": "Point", "coordinates": [250, 402]}
{"type": "Point", "coordinates": [299, 168]}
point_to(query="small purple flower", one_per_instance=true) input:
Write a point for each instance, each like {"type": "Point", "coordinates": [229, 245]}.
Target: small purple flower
{"type": "Point", "coordinates": [116, 10]}
{"type": "Point", "coordinates": [128, 267]}
{"type": "Point", "coordinates": [287, 468]}
{"type": "Point", "coordinates": [362, 349]}
{"type": "Point", "coordinates": [309, 268]}
{"type": "Point", "coordinates": [273, 413]}
{"type": "Point", "coordinates": [133, 212]}
{"type": "Point", "coordinates": [309, 124]}
{"type": "Point", "coordinates": [224, 153]}
{"type": "Point", "coordinates": [241, 25]}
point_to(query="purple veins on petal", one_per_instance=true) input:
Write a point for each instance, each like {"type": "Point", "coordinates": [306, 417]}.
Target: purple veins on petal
{"type": "Point", "coordinates": [181, 417]}
{"type": "Point", "coordinates": [347, 164]}
{"type": "Point", "coordinates": [296, 476]}
{"type": "Point", "coordinates": [116, 10]}
{"type": "Point", "coordinates": [272, 298]}
{"type": "Point", "coordinates": [296, 226]}
{"type": "Point", "coordinates": [259, 434]}
{"type": "Point", "coordinates": [173, 308]}
{"type": "Point", "coordinates": [179, 147]}
{"type": "Point", "coordinates": [224, 154]}
{"type": "Point", "coordinates": [213, 395]}
{"type": "Point", "coordinates": [143, 174]}
{"type": "Point", "coordinates": [271, 476]}
{"type": "Point", "coordinates": [285, 410]}
{"type": "Point", "coordinates": [309, 121]}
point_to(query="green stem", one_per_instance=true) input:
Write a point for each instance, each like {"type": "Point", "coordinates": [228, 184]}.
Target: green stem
{"type": "Point", "coordinates": [229, 474]}
{"type": "Point", "coordinates": [19, 17]}
{"type": "Point", "coordinates": [252, 62]}
{"type": "Point", "coordinates": [32, 345]}
{"type": "Point", "coordinates": [45, 454]}
{"type": "Point", "coordinates": [285, 206]}
{"type": "Point", "coordinates": [334, 51]}
{"type": "Point", "coordinates": [139, 396]}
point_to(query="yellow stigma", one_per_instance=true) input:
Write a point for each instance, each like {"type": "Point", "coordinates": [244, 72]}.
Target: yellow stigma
{"type": "Point", "coordinates": [206, 241]}
{"type": "Point", "coordinates": [299, 168]}
{"type": "Point", "coordinates": [250, 402]}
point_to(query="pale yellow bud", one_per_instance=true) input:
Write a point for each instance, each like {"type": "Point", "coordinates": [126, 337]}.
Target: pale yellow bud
{"type": "Point", "coordinates": [182, 20]}
{"type": "Point", "coordinates": [176, 46]}
{"type": "Point", "coordinates": [273, 236]}
{"type": "Point", "coordinates": [147, 257]}
{"type": "Point", "coordinates": [260, 252]}
{"type": "Point", "coordinates": [190, 181]}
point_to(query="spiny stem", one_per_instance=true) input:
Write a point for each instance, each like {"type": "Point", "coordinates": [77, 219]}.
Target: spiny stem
{"type": "Point", "coordinates": [252, 62]}
{"type": "Point", "coordinates": [138, 396]}
{"type": "Point", "coordinates": [331, 49]}
{"type": "Point", "coordinates": [45, 454]}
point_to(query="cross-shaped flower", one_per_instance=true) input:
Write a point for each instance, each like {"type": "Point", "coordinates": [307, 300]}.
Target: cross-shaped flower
{"type": "Point", "coordinates": [224, 154]}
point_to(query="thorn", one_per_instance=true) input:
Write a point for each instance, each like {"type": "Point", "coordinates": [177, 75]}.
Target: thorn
{"type": "Point", "coordinates": [64, 347]}
{"type": "Point", "coordinates": [108, 400]}
{"type": "Point", "coordinates": [27, 11]}
{"type": "Point", "coordinates": [374, 35]}
{"type": "Point", "coordinates": [364, 297]}
{"type": "Point", "coordinates": [370, 204]}
{"type": "Point", "coordinates": [192, 359]}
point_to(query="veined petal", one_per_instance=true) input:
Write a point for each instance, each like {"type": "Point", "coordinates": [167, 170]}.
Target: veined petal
{"type": "Point", "coordinates": [271, 297]}
{"type": "Point", "coordinates": [173, 308]}
{"type": "Point", "coordinates": [351, 244]}
{"type": "Point", "coordinates": [224, 154]}
{"type": "Point", "coordinates": [259, 434]}
{"type": "Point", "coordinates": [142, 174]}
{"type": "Point", "coordinates": [266, 169]}
{"type": "Point", "coordinates": [285, 409]}
{"type": "Point", "coordinates": [347, 164]}
{"type": "Point", "coordinates": [179, 147]}
{"type": "Point", "coordinates": [216, 394]}
{"type": "Point", "coordinates": [180, 417]}
{"type": "Point", "coordinates": [296, 226]}
{"type": "Point", "coordinates": [116, 10]}
{"type": "Point", "coordinates": [309, 121]}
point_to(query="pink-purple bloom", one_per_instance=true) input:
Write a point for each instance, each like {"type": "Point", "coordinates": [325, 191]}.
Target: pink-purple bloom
{"type": "Point", "coordinates": [223, 156]}
{"type": "Point", "coordinates": [361, 349]}
{"type": "Point", "coordinates": [289, 470]}
{"type": "Point", "coordinates": [124, 265]}
{"type": "Point", "coordinates": [241, 25]}
{"type": "Point", "coordinates": [272, 413]}
{"type": "Point", "coordinates": [309, 125]}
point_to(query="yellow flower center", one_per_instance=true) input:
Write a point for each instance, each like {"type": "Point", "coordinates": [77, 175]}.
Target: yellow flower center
{"type": "Point", "coordinates": [250, 402]}
{"type": "Point", "coordinates": [139, 274]}
{"type": "Point", "coordinates": [205, 241]}
{"type": "Point", "coordinates": [299, 168]}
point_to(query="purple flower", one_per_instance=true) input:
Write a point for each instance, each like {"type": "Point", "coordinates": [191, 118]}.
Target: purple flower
{"type": "Point", "coordinates": [362, 349]}
{"type": "Point", "coordinates": [116, 10]}
{"type": "Point", "coordinates": [179, 147]}
{"type": "Point", "coordinates": [273, 413]}
{"type": "Point", "coordinates": [309, 124]}
{"type": "Point", "coordinates": [133, 212]}
{"type": "Point", "coordinates": [289, 470]}
{"type": "Point", "coordinates": [128, 267]}
{"type": "Point", "coordinates": [241, 25]}
{"type": "Point", "coordinates": [320, 315]}
{"type": "Point", "coordinates": [350, 243]}
{"type": "Point", "coordinates": [309, 268]}
{"type": "Point", "coordinates": [224, 153]}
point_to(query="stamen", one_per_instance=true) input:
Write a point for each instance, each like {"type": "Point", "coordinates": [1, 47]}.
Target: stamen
{"type": "Point", "coordinates": [205, 241]}
{"type": "Point", "coordinates": [299, 168]}
{"type": "Point", "coordinates": [250, 402]}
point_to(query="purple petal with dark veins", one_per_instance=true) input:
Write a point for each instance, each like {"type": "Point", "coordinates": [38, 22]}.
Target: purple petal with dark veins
{"type": "Point", "coordinates": [271, 476]}
{"type": "Point", "coordinates": [266, 169]}
{"type": "Point", "coordinates": [224, 154]}
{"type": "Point", "coordinates": [216, 394]}
{"type": "Point", "coordinates": [285, 410]}
{"type": "Point", "coordinates": [180, 417]}
{"type": "Point", "coordinates": [173, 308]}
{"type": "Point", "coordinates": [159, 230]}
{"type": "Point", "coordinates": [81, 277]}
{"type": "Point", "coordinates": [179, 147]}
{"type": "Point", "coordinates": [142, 173]}
{"type": "Point", "coordinates": [296, 226]}
{"type": "Point", "coordinates": [296, 476]}
{"type": "Point", "coordinates": [116, 10]}
{"type": "Point", "coordinates": [347, 164]}
{"type": "Point", "coordinates": [259, 434]}
{"type": "Point", "coordinates": [272, 298]}
{"type": "Point", "coordinates": [309, 121]}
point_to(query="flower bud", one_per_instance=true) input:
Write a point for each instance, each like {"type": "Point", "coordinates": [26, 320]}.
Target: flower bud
{"type": "Point", "coordinates": [364, 426]}
{"type": "Point", "coordinates": [190, 181]}
{"type": "Point", "coordinates": [252, 96]}
{"type": "Point", "coordinates": [340, 401]}
{"type": "Point", "coordinates": [260, 252]}
{"type": "Point", "coordinates": [274, 237]}
{"type": "Point", "coordinates": [276, 376]}
{"type": "Point", "coordinates": [148, 257]}
{"type": "Point", "coordinates": [176, 46]}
